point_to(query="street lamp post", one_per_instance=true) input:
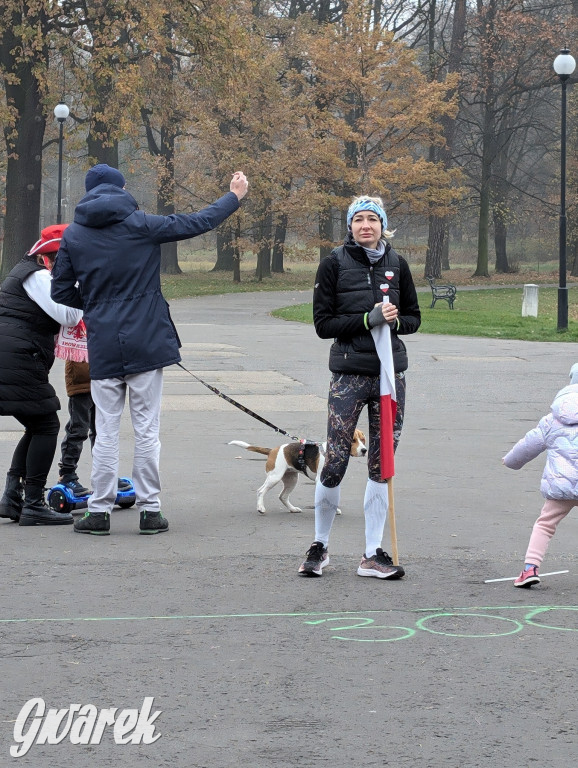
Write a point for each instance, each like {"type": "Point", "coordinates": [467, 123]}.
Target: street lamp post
{"type": "Point", "coordinates": [564, 66]}
{"type": "Point", "coordinates": [61, 112]}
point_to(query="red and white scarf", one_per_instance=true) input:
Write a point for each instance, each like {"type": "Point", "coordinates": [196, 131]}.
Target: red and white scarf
{"type": "Point", "coordinates": [71, 343]}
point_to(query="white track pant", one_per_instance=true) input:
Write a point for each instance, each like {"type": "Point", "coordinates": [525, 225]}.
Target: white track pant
{"type": "Point", "coordinates": [144, 396]}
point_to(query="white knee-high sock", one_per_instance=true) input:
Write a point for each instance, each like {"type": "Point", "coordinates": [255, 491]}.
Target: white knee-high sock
{"type": "Point", "coordinates": [326, 503]}
{"type": "Point", "coordinates": [375, 507]}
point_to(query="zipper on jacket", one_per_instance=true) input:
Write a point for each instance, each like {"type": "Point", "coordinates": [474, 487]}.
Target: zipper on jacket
{"type": "Point", "coordinates": [371, 282]}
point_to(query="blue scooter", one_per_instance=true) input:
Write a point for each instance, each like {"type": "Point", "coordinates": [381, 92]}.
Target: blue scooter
{"type": "Point", "coordinates": [61, 499]}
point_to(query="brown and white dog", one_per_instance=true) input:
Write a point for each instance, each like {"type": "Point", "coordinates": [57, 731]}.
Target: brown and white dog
{"type": "Point", "coordinates": [285, 462]}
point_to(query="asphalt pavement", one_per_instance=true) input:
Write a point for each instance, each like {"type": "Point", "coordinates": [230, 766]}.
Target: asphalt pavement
{"type": "Point", "coordinates": [247, 662]}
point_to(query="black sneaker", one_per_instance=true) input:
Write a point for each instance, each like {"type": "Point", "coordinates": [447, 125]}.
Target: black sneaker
{"type": "Point", "coordinates": [380, 566]}
{"type": "Point", "coordinates": [97, 524]}
{"type": "Point", "coordinates": [317, 558]}
{"type": "Point", "coordinates": [153, 522]}
{"type": "Point", "coordinates": [77, 488]}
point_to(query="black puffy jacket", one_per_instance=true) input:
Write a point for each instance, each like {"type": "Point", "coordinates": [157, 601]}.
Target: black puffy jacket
{"type": "Point", "coordinates": [346, 287]}
{"type": "Point", "coordinates": [26, 348]}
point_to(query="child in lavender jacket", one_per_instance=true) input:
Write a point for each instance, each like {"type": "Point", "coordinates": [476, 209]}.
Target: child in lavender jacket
{"type": "Point", "coordinates": [556, 433]}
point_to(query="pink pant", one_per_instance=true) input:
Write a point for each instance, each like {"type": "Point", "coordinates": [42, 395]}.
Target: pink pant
{"type": "Point", "coordinates": [553, 511]}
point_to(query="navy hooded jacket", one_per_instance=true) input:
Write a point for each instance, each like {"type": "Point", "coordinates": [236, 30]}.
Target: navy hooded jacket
{"type": "Point", "coordinates": [112, 251]}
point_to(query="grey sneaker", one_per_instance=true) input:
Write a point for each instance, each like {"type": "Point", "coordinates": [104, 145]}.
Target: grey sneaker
{"type": "Point", "coordinates": [153, 522]}
{"type": "Point", "coordinates": [317, 558]}
{"type": "Point", "coordinates": [380, 566]}
{"type": "Point", "coordinates": [98, 525]}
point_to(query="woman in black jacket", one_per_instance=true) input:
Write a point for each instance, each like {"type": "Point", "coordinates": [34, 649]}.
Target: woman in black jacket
{"type": "Point", "coordinates": [347, 304]}
{"type": "Point", "coordinates": [29, 320]}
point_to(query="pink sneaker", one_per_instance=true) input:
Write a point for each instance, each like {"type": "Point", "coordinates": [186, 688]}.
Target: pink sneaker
{"type": "Point", "coordinates": [380, 566]}
{"type": "Point", "coordinates": [527, 578]}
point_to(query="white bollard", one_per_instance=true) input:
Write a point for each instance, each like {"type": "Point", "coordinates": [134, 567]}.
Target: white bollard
{"type": "Point", "coordinates": [530, 302]}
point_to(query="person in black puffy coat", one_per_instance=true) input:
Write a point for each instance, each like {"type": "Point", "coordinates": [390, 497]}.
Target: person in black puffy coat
{"type": "Point", "coordinates": [109, 264]}
{"type": "Point", "coordinates": [347, 304]}
{"type": "Point", "coordinates": [29, 320]}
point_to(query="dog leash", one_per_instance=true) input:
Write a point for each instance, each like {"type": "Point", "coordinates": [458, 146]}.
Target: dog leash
{"type": "Point", "coordinates": [244, 408]}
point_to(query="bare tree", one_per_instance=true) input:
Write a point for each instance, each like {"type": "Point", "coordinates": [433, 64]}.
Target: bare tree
{"type": "Point", "coordinates": [438, 225]}
{"type": "Point", "coordinates": [24, 56]}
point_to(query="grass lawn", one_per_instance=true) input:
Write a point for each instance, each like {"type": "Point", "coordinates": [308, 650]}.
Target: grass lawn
{"type": "Point", "coordinates": [494, 313]}
{"type": "Point", "coordinates": [207, 283]}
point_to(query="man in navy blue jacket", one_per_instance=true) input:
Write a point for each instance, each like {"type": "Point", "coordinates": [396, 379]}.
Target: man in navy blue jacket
{"type": "Point", "coordinates": [109, 266]}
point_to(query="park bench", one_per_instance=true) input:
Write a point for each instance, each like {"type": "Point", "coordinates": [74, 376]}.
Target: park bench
{"type": "Point", "coordinates": [446, 292]}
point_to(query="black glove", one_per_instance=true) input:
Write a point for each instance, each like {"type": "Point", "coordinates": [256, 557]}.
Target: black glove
{"type": "Point", "coordinates": [375, 317]}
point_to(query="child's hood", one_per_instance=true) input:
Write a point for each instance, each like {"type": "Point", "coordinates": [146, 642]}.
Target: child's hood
{"type": "Point", "coordinates": [565, 405]}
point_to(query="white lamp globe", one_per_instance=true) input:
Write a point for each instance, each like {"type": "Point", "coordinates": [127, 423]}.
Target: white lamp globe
{"type": "Point", "coordinates": [564, 63]}
{"type": "Point", "coordinates": [61, 111]}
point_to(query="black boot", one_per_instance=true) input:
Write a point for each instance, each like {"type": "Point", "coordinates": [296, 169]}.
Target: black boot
{"type": "Point", "coordinates": [36, 512]}
{"type": "Point", "coordinates": [12, 498]}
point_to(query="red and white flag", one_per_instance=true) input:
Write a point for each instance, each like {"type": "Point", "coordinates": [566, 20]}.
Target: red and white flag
{"type": "Point", "coordinates": [388, 400]}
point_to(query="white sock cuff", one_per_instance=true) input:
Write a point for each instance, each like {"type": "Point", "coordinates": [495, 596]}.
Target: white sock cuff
{"type": "Point", "coordinates": [375, 507]}
{"type": "Point", "coordinates": [326, 502]}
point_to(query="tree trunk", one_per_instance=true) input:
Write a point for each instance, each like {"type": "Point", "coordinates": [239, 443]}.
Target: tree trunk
{"type": "Point", "coordinates": [499, 195]}
{"type": "Point", "coordinates": [225, 251]}
{"type": "Point", "coordinates": [264, 243]}
{"type": "Point", "coordinates": [500, 240]}
{"type": "Point", "coordinates": [237, 252]}
{"type": "Point", "coordinates": [343, 223]}
{"type": "Point", "coordinates": [500, 188]}
{"type": "Point", "coordinates": [484, 212]}
{"type": "Point", "coordinates": [166, 198]}
{"type": "Point", "coordinates": [99, 150]}
{"type": "Point", "coordinates": [488, 62]}
{"type": "Point", "coordinates": [325, 232]}
{"type": "Point", "coordinates": [101, 144]}
{"type": "Point", "coordinates": [446, 248]}
{"type": "Point", "coordinates": [277, 264]}
{"type": "Point", "coordinates": [437, 254]}
{"type": "Point", "coordinates": [23, 144]}
{"type": "Point", "coordinates": [483, 226]}
{"type": "Point", "coordinates": [435, 246]}
{"type": "Point", "coordinates": [435, 242]}
{"type": "Point", "coordinates": [433, 259]}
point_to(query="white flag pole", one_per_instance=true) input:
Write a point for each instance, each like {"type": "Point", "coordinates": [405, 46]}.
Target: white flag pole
{"type": "Point", "coordinates": [513, 578]}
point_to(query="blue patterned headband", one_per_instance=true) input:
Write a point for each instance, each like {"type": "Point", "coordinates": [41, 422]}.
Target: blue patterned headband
{"type": "Point", "coordinates": [366, 205]}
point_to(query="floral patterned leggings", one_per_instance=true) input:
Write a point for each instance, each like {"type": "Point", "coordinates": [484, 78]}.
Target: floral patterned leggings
{"type": "Point", "coordinates": [347, 396]}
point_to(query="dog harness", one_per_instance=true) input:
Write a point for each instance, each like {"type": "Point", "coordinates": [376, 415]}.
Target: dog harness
{"type": "Point", "coordinates": [308, 451]}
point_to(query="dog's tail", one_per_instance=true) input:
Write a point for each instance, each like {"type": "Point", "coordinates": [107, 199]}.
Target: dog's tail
{"type": "Point", "coordinates": [254, 448]}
